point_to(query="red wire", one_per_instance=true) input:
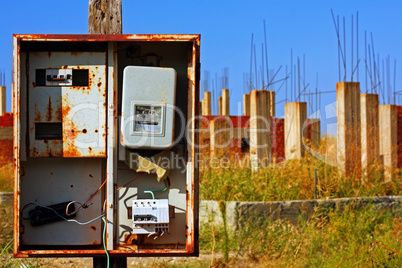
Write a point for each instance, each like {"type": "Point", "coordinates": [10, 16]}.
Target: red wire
{"type": "Point", "coordinates": [131, 180]}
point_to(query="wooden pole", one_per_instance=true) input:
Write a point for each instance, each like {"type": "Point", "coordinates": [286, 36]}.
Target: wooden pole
{"type": "Point", "coordinates": [104, 17]}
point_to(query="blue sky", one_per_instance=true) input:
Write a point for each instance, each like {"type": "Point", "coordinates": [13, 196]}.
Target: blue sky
{"type": "Point", "coordinates": [226, 28]}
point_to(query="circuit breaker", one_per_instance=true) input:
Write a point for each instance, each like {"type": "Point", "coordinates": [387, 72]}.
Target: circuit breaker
{"type": "Point", "coordinates": [150, 216]}
{"type": "Point", "coordinates": [148, 107]}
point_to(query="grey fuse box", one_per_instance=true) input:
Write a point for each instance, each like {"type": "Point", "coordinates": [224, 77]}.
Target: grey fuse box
{"type": "Point", "coordinates": [148, 107]}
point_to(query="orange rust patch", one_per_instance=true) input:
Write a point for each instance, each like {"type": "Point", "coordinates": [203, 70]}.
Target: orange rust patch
{"type": "Point", "coordinates": [37, 113]}
{"type": "Point", "coordinates": [49, 110]}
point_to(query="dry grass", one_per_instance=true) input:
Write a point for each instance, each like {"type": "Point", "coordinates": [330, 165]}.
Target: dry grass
{"type": "Point", "coordinates": [294, 180]}
{"type": "Point", "coordinates": [6, 177]}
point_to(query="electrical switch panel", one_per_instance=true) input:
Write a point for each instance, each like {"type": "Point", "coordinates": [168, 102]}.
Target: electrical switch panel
{"type": "Point", "coordinates": [59, 77]}
{"type": "Point", "coordinates": [150, 216]}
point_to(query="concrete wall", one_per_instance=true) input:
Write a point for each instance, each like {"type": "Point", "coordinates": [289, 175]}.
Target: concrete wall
{"type": "Point", "coordinates": [292, 211]}
{"type": "Point", "coordinates": [6, 137]}
{"type": "Point", "coordinates": [278, 139]}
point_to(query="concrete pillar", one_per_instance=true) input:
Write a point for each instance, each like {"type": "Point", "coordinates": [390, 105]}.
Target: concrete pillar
{"type": "Point", "coordinates": [260, 129]}
{"type": "Point", "coordinates": [201, 105]}
{"type": "Point", "coordinates": [206, 105]}
{"type": "Point", "coordinates": [220, 106]}
{"type": "Point", "coordinates": [3, 107]}
{"type": "Point", "coordinates": [349, 135]}
{"type": "Point", "coordinates": [388, 139]}
{"type": "Point", "coordinates": [295, 117]}
{"type": "Point", "coordinates": [225, 102]}
{"type": "Point", "coordinates": [219, 130]}
{"type": "Point", "coordinates": [369, 129]}
{"type": "Point", "coordinates": [246, 104]}
{"type": "Point", "coordinates": [272, 103]}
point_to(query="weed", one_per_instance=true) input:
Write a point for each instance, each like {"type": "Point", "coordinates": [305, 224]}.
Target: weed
{"type": "Point", "coordinates": [330, 239]}
{"type": "Point", "coordinates": [6, 177]}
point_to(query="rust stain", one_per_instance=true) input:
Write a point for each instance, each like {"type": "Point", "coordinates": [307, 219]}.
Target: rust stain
{"type": "Point", "coordinates": [65, 110]}
{"type": "Point", "coordinates": [49, 110]}
{"type": "Point", "coordinates": [99, 84]}
{"type": "Point", "coordinates": [93, 227]}
{"type": "Point", "coordinates": [75, 54]}
{"type": "Point", "coordinates": [37, 113]}
{"type": "Point", "coordinates": [195, 38]}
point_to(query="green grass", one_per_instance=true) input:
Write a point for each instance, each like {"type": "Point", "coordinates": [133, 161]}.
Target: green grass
{"type": "Point", "coordinates": [332, 239]}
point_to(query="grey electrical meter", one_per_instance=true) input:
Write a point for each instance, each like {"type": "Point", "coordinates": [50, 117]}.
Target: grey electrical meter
{"type": "Point", "coordinates": [148, 107]}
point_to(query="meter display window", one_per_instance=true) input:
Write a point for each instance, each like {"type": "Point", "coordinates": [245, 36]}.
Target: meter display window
{"type": "Point", "coordinates": [148, 118]}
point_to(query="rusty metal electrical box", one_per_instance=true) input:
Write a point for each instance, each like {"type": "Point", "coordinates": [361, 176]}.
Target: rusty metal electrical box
{"type": "Point", "coordinates": [104, 145]}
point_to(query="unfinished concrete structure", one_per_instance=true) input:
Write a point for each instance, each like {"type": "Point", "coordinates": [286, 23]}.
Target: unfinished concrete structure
{"type": "Point", "coordinates": [388, 139]}
{"type": "Point", "coordinates": [349, 136]}
{"type": "Point", "coordinates": [225, 102]}
{"type": "Point", "coordinates": [272, 103]}
{"type": "Point", "coordinates": [295, 117]}
{"type": "Point", "coordinates": [260, 124]}
{"type": "Point", "coordinates": [2, 100]}
{"type": "Point", "coordinates": [206, 103]}
{"type": "Point", "coordinates": [369, 129]}
{"type": "Point", "coordinates": [220, 106]}
{"type": "Point", "coordinates": [219, 137]}
{"type": "Point", "coordinates": [246, 104]}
